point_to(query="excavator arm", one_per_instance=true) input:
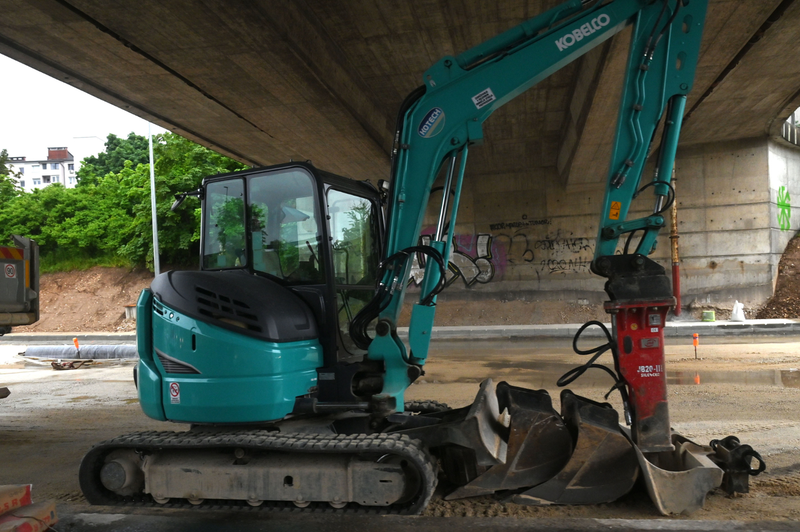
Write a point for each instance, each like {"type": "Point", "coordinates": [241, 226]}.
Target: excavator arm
{"type": "Point", "coordinates": [441, 120]}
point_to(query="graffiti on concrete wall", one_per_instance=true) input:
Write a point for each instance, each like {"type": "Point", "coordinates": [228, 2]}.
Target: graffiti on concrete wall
{"type": "Point", "coordinates": [565, 266]}
{"type": "Point", "coordinates": [565, 254]}
{"type": "Point", "coordinates": [551, 254]}
{"type": "Point", "coordinates": [485, 257]}
{"type": "Point", "coordinates": [520, 223]}
{"type": "Point", "coordinates": [784, 209]}
{"type": "Point", "coordinates": [470, 260]}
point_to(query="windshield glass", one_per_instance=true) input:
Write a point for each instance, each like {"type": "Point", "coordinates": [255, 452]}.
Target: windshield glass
{"type": "Point", "coordinates": [284, 230]}
{"type": "Point", "coordinates": [223, 239]}
{"type": "Point", "coordinates": [353, 230]}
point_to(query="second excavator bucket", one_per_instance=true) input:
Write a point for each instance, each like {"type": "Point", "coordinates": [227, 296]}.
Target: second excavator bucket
{"type": "Point", "coordinates": [603, 466]}
{"type": "Point", "coordinates": [539, 444]}
{"type": "Point", "coordinates": [679, 480]}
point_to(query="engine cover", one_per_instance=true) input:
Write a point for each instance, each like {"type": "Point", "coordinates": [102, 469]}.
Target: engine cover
{"type": "Point", "coordinates": [237, 300]}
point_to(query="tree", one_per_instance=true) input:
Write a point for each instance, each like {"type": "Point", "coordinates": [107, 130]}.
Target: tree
{"type": "Point", "coordinates": [107, 219]}
{"type": "Point", "coordinates": [5, 167]}
{"type": "Point", "coordinates": [134, 149]}
{"type": "Point", "coordinates": [181, 166]}
{"type": "Point", "coordinates": [9, 179]}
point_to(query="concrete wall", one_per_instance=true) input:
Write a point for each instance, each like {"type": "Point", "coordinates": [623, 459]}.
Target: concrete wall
{"type": "Point", "coordinates": [784, 191]}
{"type": "Point", "coordinates": [724, 222]}
{"type": "Point", "coordinates": [522, 235]}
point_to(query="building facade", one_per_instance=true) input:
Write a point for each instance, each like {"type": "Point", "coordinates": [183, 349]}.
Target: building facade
{"type": "Point", "coordinates": [59, 167]}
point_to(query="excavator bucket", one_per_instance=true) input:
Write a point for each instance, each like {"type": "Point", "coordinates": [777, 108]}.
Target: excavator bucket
{"type": "Point", "coordinates": [603, 466]}
{"type": "Point", "coordinates": [479, 430]}
{"type": "Point", "coordinates": [679, 480]}
{"type": "Point", "coordinates": [539, 444]}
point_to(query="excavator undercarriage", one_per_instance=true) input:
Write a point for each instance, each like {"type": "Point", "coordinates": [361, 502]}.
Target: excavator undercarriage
{"type": "Point", "coordinates": [510, 443]}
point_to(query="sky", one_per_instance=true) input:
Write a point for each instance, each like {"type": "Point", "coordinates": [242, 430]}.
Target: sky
{"type": "Point", "coordinates": [37, 112]}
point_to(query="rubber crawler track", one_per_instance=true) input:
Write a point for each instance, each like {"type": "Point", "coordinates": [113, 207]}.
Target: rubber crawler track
{"type": "Point", "coordinates": [260, 440]}
{"type": "Point", "coordinates": [425, 407]}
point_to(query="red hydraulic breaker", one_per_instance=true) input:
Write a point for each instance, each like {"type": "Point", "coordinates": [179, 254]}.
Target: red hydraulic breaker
{"type": "Point", "coordinates": [638, 331]}
{"type": "Point", "coordinates": [639, 298]}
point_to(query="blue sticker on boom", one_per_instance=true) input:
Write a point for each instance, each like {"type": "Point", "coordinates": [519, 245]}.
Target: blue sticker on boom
{"type": "Point", "coordinates": [432, 124]}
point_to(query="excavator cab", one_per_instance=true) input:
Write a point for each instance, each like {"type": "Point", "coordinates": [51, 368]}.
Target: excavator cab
{"type": "Point", "coordinates": [288, 255]}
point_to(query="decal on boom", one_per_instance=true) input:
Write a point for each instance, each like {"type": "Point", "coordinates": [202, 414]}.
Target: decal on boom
{"type": "Point", "coordinates": [432, 124]}
{"type": "Point", "coordinates": [584, 31]}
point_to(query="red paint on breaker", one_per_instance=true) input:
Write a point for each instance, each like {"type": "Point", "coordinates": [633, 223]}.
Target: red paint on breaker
{"type": "Point", "coordinates": [638, 329]}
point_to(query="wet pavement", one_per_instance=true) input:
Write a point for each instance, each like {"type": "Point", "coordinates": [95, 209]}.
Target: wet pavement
{"type": "Point", "coordinates": [787, 378]}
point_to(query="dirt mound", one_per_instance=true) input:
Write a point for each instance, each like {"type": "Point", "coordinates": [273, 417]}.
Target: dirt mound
{"type": "Point", "coordinates": [94, 300]}
{"type": "Point", "coordinates": [88, 301]}
{"type": "Point", "coordinates": [786, 301]}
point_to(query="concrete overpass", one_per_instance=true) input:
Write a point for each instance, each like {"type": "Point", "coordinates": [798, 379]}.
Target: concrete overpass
{"type": "Point", "coordinates": [267, 81]}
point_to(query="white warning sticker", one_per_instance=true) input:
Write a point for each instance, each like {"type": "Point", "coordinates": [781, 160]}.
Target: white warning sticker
{"type": "Point", "coordinates": [175, 393]}
{"type": "Point", "coordinates": [483, 98]}
{"type": "Point", "coordinates": [10, 270]}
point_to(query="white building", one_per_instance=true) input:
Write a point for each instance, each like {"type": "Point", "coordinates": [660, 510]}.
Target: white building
{"type": "Point", "coordinates": [59, 167]}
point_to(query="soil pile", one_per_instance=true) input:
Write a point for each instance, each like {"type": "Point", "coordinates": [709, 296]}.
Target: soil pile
{"type": "Point", "coordinates": [88, 301]}
{"type": "Point", "coordinates": [786, 301]}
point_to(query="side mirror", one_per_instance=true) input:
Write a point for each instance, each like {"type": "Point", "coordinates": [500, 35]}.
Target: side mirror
{"type": "Point", "coordinates": [179, 198]}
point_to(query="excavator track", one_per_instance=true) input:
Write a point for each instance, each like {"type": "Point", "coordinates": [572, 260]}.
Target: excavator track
{"type": "Point", "coordinates": [394, 448]}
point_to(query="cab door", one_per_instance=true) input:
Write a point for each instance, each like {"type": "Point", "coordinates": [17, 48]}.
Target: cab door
{"type": "Point", "coordinates": [354, 229]}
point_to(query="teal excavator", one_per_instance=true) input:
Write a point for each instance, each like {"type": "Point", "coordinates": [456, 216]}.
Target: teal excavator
{"type": "Point", "coordinates": [282, 350]}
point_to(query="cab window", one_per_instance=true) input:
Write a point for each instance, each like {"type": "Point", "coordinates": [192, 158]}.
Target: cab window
{"type": "Point", "coordinates": [283, 226]}
{"type": "Point", "coordinates": [224, 236]}
{"type": "Point", "coordinates": [354, 239]}
{"type": "Point", "coordinates": [355, 244]}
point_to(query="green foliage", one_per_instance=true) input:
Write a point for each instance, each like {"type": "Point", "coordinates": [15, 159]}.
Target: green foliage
{"type": "Point", "coordinates": [134, 149]}
{"type": "Point", "coordinates": [8, 186]}
{"type": "Point", "coordinates": [181, 166]}
{"type": "Point", "coordinates": [4, 165]}
{"type": "Point", "coordinates": [67, 262]}
{"type": "Point", "coordinates": [107, 219]}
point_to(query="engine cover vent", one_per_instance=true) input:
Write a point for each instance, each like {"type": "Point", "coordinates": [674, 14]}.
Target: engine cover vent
{"type": "Point", "coordinates": [172, 365]}
{"type": "Point", "coordinates": [224, 308]}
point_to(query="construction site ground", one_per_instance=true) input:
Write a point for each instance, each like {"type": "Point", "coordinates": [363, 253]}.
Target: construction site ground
{"type": "Point", "coordinates": [745, 386]}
